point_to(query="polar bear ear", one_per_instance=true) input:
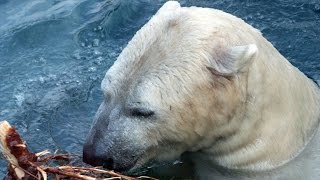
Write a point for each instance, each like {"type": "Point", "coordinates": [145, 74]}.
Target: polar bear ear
{"type": "Point", "coordinates": [169, 6]}
{"type": "Point", "coordinates": [235, 59]}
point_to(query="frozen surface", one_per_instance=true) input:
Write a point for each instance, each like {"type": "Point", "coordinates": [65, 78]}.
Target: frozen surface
{"type": "Point", "coordinates": [54, 53]}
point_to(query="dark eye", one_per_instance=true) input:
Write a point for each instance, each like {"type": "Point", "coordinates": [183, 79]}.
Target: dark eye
{"type": "Point", "coordinates": [139, 112]}
{"type": "Point", "coordinates": [107, 96]}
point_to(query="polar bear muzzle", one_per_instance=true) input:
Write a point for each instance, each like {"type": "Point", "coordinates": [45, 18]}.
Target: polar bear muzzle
{"type": "Point", "coordinates": [113, 157]}
{"type": "Point", "coordinates": [111, 141]}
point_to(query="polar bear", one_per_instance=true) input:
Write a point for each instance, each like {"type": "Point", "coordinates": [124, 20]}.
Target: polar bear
{"type": "Point", "coordinates": [204, 84]}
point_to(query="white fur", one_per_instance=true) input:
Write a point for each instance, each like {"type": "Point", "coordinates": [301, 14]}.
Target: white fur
{"type": "Point", "coordinates": [251, 117]}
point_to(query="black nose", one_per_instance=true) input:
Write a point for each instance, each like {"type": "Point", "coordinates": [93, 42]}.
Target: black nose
{"type": "Point", "coordinates": [113, 161]}
{"type": "Point", "coordinates": [90, 156]}
{"type": "Point", "coordinates": [109, 164]}
{"type": "Point", "coordinates": [95, 158]}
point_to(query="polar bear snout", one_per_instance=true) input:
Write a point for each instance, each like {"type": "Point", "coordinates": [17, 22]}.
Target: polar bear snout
{"type": "Point", "coordinates": [109, 160]}
{"type": "Point", "coordinates": [112, 142]}
{"type": "Point", "coordinates": [109, 154]}
{"type": "Point", "coordinates": [91, 157]}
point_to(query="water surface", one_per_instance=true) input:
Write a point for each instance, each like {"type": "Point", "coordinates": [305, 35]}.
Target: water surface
{"type": "Point", "coordinates": [54, 53]}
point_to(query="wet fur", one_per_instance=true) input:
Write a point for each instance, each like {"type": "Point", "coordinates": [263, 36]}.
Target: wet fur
{"type": "Point", "coordinates": [242, 120]}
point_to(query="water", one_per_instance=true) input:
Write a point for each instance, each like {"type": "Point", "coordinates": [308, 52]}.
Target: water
{"type": "Point", "coordinates": [54, 53]}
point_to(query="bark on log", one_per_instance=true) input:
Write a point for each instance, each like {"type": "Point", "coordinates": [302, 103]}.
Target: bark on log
{"type": "Point", "coordinates": [23, 164]}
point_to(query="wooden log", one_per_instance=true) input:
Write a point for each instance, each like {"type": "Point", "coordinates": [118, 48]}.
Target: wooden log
{"type": "Point", "coordinates": [24, 164]}
{"type": "Point", "coordinates": [7, 133]}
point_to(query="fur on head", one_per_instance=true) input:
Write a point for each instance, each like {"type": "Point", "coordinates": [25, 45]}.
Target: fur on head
{"type": "Point", "coordinates": [175, 88]}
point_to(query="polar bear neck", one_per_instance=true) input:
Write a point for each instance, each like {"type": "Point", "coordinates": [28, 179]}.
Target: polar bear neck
{"type": "Point", "coordinates": [283, 113]}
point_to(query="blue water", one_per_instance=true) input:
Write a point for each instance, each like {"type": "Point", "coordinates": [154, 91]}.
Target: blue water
{"type": "Point", "coordinates": [54, 53]}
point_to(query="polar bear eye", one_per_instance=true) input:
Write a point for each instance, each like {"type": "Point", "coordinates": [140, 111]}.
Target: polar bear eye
{"type": "Point", "coordinates": [107, 96]}
{"type": "Point", "coordinates": [140, 112]}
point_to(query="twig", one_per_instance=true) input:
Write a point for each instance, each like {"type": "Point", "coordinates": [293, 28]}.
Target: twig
{"type": "Point", "coordinates": [25, 171]}
{"type": "Point", "coordinates": [147, 177]}
{"type": "Point", "coordinates": [43, 173]}
{"type": "Point", "coordinates": [112, 173]}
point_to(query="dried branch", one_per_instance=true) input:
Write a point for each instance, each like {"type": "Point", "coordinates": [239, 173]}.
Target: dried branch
{"type": "Point", "coordinates": [23, 164]}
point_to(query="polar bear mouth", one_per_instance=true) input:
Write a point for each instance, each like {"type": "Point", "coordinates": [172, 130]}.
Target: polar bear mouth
{"type": "Point", "coordinates": [152, 167]}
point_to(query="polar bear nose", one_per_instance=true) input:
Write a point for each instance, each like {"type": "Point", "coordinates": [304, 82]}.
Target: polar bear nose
{"type": "Point", "coordinates": [91, 157]}
{"type": "Point", "coordinates": [94, 159]}
{"type": "Point", "coordinates": [119, 161]}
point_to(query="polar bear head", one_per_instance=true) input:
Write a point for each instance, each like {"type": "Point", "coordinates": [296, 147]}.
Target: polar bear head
{"type": "Point", "coordinates": [177, 87]}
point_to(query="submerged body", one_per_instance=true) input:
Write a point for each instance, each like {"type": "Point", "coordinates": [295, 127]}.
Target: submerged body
{"type": "Point", "coordinates": [203, 82]}
{"type": "Point", "coordinates": [304, 166]}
